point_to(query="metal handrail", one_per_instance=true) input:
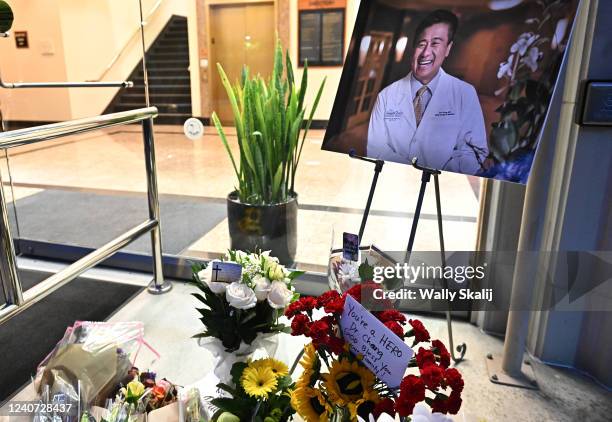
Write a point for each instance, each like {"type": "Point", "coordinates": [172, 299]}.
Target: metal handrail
{"type": "Point", "coordinates": [32, 135]}
{"type": "Point", "coordinates": [17, 299]}
{"type": "Point", "coordinates": [87, 84]}
{"type": "Point", "coordinates": [130, 39]}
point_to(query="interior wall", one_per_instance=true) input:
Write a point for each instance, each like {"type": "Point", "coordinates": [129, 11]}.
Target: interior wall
{"type": "Point", "coordinates": [75, 40]}
{"type": "Point", "coordinates": [46, 51]}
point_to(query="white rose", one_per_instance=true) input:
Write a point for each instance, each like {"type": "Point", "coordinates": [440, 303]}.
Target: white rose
{"type": "Point", "coordinates": [240, 296]}
{"type": "Point", "coordinates": [279, 296]}
{"type": "Point", "coordinates": [262, 287]}
{"type": "Point", "coordinates": [205, 276]}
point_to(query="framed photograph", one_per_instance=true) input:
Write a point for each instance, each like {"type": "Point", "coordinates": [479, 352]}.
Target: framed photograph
{"type": "Point", "coordinates": [461, 85]}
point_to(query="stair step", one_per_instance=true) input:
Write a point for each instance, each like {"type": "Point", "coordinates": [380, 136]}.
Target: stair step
{"type": "Point", "coordinates": [161, 50]}
{"type": "Point", "coordinates": [165, 71]}
{"type": "Point", "coordinates": [169, 89]}
{"type": "Point", "coordinates": [172, 43]}
{"type": "Point", "coordinates": [162, 108]}
{"type": "Point", "coordinates": [174, 34]}
{"type": "Point", "coordinates": [166, 64]}
{"type": "Point", "coordinates": [168, 56]}
{"type": "Point", "coordinates": [166, 98]}
{"type": "Point", "coordinates": [171, 118]}
{"type": "Point", "coordinates": [163, 80]}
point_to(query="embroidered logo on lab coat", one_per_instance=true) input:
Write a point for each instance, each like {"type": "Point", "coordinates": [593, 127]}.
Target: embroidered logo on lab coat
{"type": "Point", "coordinates": [444, 114]}
{"type": "Point", "coordinates": [393, 115]}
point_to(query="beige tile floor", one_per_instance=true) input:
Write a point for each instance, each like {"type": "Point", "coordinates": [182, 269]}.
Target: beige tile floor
{"type": "Point", "coordinates": [112, 160]}
{"type": "Point", "coordinates": [564, 395]}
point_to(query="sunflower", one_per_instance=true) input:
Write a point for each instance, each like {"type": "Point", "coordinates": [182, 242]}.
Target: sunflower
{"type": "Point", "coordinates": [310, 404]}
{"type": "Point", "coordinates": [278, 368]}
{"type": "Point", "coordinates": [311, 364]}
{"type": "Point", "coordinates": [309, 357]}
{"type": "Point", "coordinates": [348, 382]}
{"type": "Point", "coordinates": [258, 382]}
{"type": "Point", "coordinates": [365, 406]}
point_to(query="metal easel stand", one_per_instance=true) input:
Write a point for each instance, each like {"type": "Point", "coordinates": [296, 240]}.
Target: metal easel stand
{"type": "Point", "coordinates": [378, 165]}
{"type": "Point", "coordinates": [425, 178]}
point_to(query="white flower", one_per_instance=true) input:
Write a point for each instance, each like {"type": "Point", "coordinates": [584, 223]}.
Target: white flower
{"type": "Point", "coordinates": [279, 296]}
{"type": "Point", "coordinates": [560, 30]}
{"type": "Point", "coordinates": [524, 42]}
{"type": "Point", "coordinates": [531, 59]}
{"type": "Point", "coordinates": [205, 276]}
{"type": "Point", "coordinates": [505, 68]}
{"type": "Point", "coordinates": [382, 418]}
{"type": "Point", "coordinates": [421, 413]}
{"type": "Point", "coordinates": [240, 296]}
{"type": "Point", "coordinates": [275, 271]}
{"type": "Point", "coordinates": [262, 286]}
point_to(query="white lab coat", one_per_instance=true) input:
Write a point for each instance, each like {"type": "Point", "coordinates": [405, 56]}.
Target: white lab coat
{"type": "Point", "coordinates": [451, 135]}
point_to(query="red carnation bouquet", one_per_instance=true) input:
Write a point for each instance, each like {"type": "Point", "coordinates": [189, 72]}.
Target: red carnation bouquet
{"type": "Point", "coordinates": [344, 389]}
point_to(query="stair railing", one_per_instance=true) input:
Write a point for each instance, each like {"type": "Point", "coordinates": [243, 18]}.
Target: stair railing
{"type": "Point", "coordinates": [17, 299]}
{"type": "Point", "coordinates": [87, 84]}
{"type": "Point", "coordinates": [138, 30]}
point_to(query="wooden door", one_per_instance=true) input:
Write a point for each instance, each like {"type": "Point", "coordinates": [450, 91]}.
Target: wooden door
{"type": "Point", "coordinates": [240, 34]}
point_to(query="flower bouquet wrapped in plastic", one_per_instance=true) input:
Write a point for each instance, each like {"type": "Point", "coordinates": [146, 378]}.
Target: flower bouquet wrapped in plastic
{"type": "Point", "coordinates": [242, 315]}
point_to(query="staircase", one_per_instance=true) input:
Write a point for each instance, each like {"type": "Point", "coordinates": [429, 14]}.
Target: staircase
{"type": "Point", "coordinates": [168, 71]}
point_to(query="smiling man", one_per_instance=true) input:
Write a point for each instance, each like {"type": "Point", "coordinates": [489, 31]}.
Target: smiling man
{"type": "Point", "coordinates": [430, 114]}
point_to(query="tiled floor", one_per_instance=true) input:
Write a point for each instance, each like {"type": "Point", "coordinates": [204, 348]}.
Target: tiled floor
{"type": "Point", "coordinates": [332, 188]}
{"type": "Point", "coordinates": [564, 395]}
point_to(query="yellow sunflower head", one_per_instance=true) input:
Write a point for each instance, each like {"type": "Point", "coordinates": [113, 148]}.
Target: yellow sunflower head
{"type": "Point", "coordinates": [348, 382]}
{"type": "Point", "coordinates": [365, 406]}
{"type": "Point", "coordinates": [309, 359]}
{"type": "Point", "coordinates": [258, 382]}
{"type": "Point", "coordinates": [278, 368]}
{"type": "Point", "coordinates": [310, 404]}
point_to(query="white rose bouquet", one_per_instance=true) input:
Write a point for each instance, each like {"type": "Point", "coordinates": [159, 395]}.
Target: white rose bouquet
{"type": "Point", "coordinates": [237, 312]}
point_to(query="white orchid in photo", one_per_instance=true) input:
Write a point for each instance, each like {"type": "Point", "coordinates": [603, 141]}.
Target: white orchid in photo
{"type": "Point", "coordinates": [560, 30]}
{"type": "Point", "coordinates": [505, 68]}
{"type": "Point", "coordinates": [532, 57]}
{"type": "Point", "coordinates": [525, 40]}
{"type": "Point", "coordinates": [349, 270]}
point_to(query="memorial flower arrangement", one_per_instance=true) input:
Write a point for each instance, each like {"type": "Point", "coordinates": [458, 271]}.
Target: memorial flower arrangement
{"type": "Point", "coordinates": [236, 313]}
{"type": "Point", "coordinates": [336, 385]}
{"type": "Point", "coordinates": [260, 390]}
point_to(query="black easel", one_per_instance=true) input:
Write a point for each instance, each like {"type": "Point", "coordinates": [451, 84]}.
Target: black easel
{"type": "Point", "coordinates": [425, 178]}
{"type": "Point", "coordinates": [378, 165]}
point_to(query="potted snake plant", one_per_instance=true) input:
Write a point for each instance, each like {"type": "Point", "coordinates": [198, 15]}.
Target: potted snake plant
{"type": "Point", "coordinates": [271, 126]}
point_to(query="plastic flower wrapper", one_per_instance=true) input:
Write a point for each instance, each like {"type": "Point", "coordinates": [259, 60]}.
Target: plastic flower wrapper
{"type": "Point", "coordinates": [236, 312]}
{"type": "Point", "coordinates": [95, 354]}
{"type": "Point", "coordinates": [191, 408]}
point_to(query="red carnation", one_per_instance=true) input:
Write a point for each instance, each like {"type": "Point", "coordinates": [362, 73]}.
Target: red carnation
{"type": "Point", "coordinates": [439, 404]}
{"type": "Point", "coordinates": [432, 376]}
{"type": "Point", "coordinates": [327, 297]}
{"type": "Point", "coordinates": [308, 303]}
{"type": "Point", "coordinates": [396, 328]}
{"type": "Point", "coordinates": [453, 403]}
{"type": "Point", "coordinates": [319, 330]}
{"type": "Point", "coordinates": [419, 331]}
{"type": "Point", "coordinates": [384, 406]}
{"type": "Point", "coordinates": [294, 309]}
{"type": "Point", "coordinates": [412, 389]}
{"type": "Point", "coordinates": [454, 380]}
{"type": "Point", "coordinates": [355, 291]}
{"type": "Point", "coordinates": [391, 315]}
{"type": "Point", "coordinates": [440, 349]}
{"type": "Point", "coordinates": [404, 407]}
{"type": "Point", "coordinates": [335, 344]}
{"type": "Point", "coordinates": [335, 306]}
{"type": "Point", "coordinates": [299, 325]}
{"type": "Point", "coordinates": [425, 357]}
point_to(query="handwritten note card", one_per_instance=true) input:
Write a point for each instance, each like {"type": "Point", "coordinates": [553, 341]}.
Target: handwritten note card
{"type": "Point", "coordinates": [384, 353]}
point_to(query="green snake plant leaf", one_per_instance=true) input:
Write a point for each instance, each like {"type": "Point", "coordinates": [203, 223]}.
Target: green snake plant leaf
{"type": "Point", "coordinates": [232, 98]}
{"type": "Point", "coordinates": [221, 132]}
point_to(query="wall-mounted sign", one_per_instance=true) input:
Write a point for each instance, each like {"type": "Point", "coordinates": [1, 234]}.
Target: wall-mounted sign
{"type": "Point", "coordinates": [21, 39]}
{"type": "Point", "coordinates": [321, 32]}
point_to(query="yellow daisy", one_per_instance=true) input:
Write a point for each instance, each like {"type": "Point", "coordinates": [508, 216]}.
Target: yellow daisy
{"type": "Point", "coordinates": [278, 368]}
{"type": "Point", "coordinates": [258, 382]}
{"type": "Point", "coordinates": [348, 382]}
{"type": "Point", "coordinates": [310, 404]}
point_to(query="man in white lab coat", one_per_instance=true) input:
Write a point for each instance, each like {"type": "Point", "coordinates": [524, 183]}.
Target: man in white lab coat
{"type": "Point", "coordinates": [430, 114]}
